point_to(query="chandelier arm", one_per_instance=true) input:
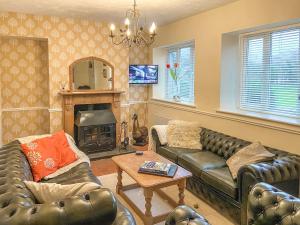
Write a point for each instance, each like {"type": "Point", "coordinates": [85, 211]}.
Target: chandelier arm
{"type": "Point", "coordinates": [118, 42]}
{"type": "Point", "coordinates": [147, 40]}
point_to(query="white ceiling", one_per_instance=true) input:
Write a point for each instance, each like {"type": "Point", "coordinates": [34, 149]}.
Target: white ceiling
{"type": "Point", "coordinates": [160, 11]}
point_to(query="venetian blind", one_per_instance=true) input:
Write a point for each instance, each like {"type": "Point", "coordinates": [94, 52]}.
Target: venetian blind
{"type": "Point", "coordinates": [270, 81]}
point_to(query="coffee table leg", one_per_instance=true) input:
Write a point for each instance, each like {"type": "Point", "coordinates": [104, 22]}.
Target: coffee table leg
{"type": "Point", "coordinates": [148, 193]}
{"type": "Point", "coordinates": [119, 184]}
{"type": "Point", "coordinates": [181, 187]}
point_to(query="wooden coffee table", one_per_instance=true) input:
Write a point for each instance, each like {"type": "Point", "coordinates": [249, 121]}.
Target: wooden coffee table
{"type": "Point", "coordinates": [130, 164]}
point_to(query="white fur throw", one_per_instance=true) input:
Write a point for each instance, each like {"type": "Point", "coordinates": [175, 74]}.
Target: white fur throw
{"type": "Point", "coordinates": [184, 134]}
{"type": "Point", "coordinates": [162, 136]}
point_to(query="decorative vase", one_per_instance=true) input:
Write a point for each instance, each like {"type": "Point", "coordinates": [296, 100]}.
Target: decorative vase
{"type": "Point", "coordinates": [176, 96]}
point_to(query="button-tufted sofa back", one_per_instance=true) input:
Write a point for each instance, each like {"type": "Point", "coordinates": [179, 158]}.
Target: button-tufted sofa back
{"type": "Point", "coordinates": [221, 144]}
{"type": "Point", "coordinates": [14, 168]}
{"type": "Point", "coordinates": [225, 145]}
{"type": "Point", "coordinates": [268, 205]}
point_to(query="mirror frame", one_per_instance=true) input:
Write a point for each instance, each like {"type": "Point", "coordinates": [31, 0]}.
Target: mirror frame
{"type": "Point", "coordinates": [71, 73]}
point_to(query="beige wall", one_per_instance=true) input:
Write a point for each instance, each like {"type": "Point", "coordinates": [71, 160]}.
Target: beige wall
{"type": "Point", "coordinates": [70, 39]}
{"type": "Point", "coordinates": [206, 29]}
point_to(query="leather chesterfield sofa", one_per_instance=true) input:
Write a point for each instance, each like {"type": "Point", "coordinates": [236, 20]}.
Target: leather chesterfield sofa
{"type": "Point", "coordinates": [19, 207]}
{"type": "Point", "coordinates": [184, 215]}
{"type": "Point", "coordinates": [266, 205]}
{"type": "Point", "coordinates": [212, 180]}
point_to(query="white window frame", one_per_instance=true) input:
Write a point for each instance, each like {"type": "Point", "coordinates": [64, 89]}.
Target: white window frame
{"type": "Point", "coordinates": [176, 48]}
{"type": "Point", "coordinates": [256, 34]}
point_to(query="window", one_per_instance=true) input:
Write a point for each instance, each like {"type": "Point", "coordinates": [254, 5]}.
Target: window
{"type": "Point", "coordinates": [184, 56]}
{"type": "Point", "coordinates": [270, 81]}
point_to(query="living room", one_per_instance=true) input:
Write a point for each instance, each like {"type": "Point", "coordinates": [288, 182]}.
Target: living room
{"type": "Point", "coordinates": [93, 90]}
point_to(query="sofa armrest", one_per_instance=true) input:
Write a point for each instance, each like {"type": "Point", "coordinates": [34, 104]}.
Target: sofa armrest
{"type": "Point", "coordinates": [155, 137]}
{"type": "Point", "coordinates": [185, 215]}
{"type": "Point", "coordinates": [124, 216]}
{"type": "Point", "coordinates": [281, 171]}
{"type": "Point", "coordinates": [268, 205]}
{"type": "Point", "coordinates": [93, 208]}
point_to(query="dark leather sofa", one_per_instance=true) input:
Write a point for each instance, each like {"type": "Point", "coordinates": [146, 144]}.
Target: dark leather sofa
{"type": "Point", "coordinates": [212, 180]}
{"type": "Point", "coordinates": [19, 207]}
{"type": "Point", "coordinates": [267, 205]}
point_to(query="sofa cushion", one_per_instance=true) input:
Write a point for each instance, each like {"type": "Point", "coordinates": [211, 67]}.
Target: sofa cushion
{"type": "Point", "coordinates": [199, 161]}
{"type": "Point", "coordinates": [252, 153]}
{"type": "Point", "coordinates": [78, 174]}
{"type": "Point", "coordinates": [67, 155]}
{"type": "Point", "coordinates": [172, 153]}
{"type": "Point", "coordinates": [221, 179]}
{"type": "Point", "coordinates": [43, 157]}
{"type": "Point", "coordinates": [50, 192]}
{"type": "Point", "coordinates": [183, 134]}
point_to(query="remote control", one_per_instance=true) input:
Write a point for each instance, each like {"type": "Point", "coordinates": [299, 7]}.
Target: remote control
{"type": "Point", "coordinates": [139, 152]}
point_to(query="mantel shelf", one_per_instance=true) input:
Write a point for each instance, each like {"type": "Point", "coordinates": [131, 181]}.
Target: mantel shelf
{"type": "Point", "coordinates": [89, 92]}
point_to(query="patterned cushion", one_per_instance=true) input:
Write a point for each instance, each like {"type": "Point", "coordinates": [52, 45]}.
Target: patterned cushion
{"type": "Point", "coordinates": [183, 134]}
{"type": "Point", "coordinates": [42, 156]}
{"type": "Point", "coordinates": [67, 155]}
{"type": "Point", "coordinates": [46, 155]}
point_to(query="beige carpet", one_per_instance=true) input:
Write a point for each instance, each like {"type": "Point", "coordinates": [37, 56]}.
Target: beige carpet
{"type": "Point", "coordinates": [159, 206]}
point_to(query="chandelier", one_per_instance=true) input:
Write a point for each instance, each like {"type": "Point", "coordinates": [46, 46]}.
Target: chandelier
{"type": "Point", "coordinates": [132, 33]}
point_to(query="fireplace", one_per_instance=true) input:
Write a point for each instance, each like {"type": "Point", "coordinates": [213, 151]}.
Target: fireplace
{"type": "Point", "coordinates": [95, 128]}
{"type": "Point", "coordinates": [81, 101]}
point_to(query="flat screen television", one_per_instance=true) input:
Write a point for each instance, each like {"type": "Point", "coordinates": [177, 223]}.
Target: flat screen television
{"type": "Point", "coordinates": [143, 74]}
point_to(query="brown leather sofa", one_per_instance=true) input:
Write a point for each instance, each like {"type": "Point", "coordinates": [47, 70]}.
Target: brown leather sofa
{"type": "Point", "coordinates": [267, 205]}
{"type": "Point", "coordinates": [212, 180]}
{"type": "Point", "coordinates": [19, 207]}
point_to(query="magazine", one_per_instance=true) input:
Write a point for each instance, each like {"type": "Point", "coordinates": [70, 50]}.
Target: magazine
{"type": "Point", "coordinates": [158, 168]}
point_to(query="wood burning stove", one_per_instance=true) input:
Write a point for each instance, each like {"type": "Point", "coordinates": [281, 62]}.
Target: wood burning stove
{"type": "Point", "coordinates": [95, 130]}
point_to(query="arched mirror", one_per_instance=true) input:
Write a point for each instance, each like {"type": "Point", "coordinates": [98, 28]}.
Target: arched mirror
{"type": "Point", "coordinates": [91, 74]}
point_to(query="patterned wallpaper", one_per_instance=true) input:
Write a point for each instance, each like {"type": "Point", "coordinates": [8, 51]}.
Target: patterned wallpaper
{"type": "Point", "coordinates": [68, 40]}
{"type": "Point", "coordinates": [24, 123]}
{"type": "Point", "coordinates": [138, 94]}
{"type": "Point", "coordinates": [24, 84]}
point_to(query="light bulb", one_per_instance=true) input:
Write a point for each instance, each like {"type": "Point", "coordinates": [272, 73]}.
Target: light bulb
{"type": "Point", "coordinates": [128, 32]}
{"type": "Point", "coordinates": [112, 27]}
{"type": "Point", "coordinates": [127, 22]}
{"type": "Point", "coordinates": [152, 28]}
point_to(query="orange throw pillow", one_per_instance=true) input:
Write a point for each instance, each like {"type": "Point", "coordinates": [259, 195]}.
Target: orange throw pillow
{"type": "Point", "coordinates": [66, 153]}
{"type": "Point", "coordinates": [46, 155]}
{"type": "Point", "coordinates": [43, 157]}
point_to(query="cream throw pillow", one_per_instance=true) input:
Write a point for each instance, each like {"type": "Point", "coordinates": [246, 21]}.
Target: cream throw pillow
{"type": "Point", "coordinates": [49, 192]}
{"type": "Point", "coordinates": [252, 153]}
{"type": "Point", "coordinates": [183, 134]}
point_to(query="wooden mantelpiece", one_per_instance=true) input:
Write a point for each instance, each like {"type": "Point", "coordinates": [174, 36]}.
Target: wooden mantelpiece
{"type": "Point", "coordinates": [72, 98]}
{"type": "Point", "coordinates": [89, 92]}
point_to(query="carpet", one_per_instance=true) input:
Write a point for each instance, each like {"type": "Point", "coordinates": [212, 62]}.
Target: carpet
{"type": "Point", "coordinates": [213, 216]}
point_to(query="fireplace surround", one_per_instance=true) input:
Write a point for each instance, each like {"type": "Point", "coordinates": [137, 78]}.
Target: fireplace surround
{"type": "Point", "coordinates": [72, 99]}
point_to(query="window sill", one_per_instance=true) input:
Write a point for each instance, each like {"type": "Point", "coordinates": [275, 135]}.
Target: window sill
{"type": "Point", "coordinates": [191, 105]}
{"type": "Point", "coordinates": [263, 116]}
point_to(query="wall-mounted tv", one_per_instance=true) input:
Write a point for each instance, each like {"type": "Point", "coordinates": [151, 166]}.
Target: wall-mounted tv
{"type": "Point", "coordinates": [143, 74]}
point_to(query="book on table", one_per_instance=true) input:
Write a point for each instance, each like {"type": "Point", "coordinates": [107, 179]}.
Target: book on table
{"type": "Point", "coordinates": [158, 168]}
